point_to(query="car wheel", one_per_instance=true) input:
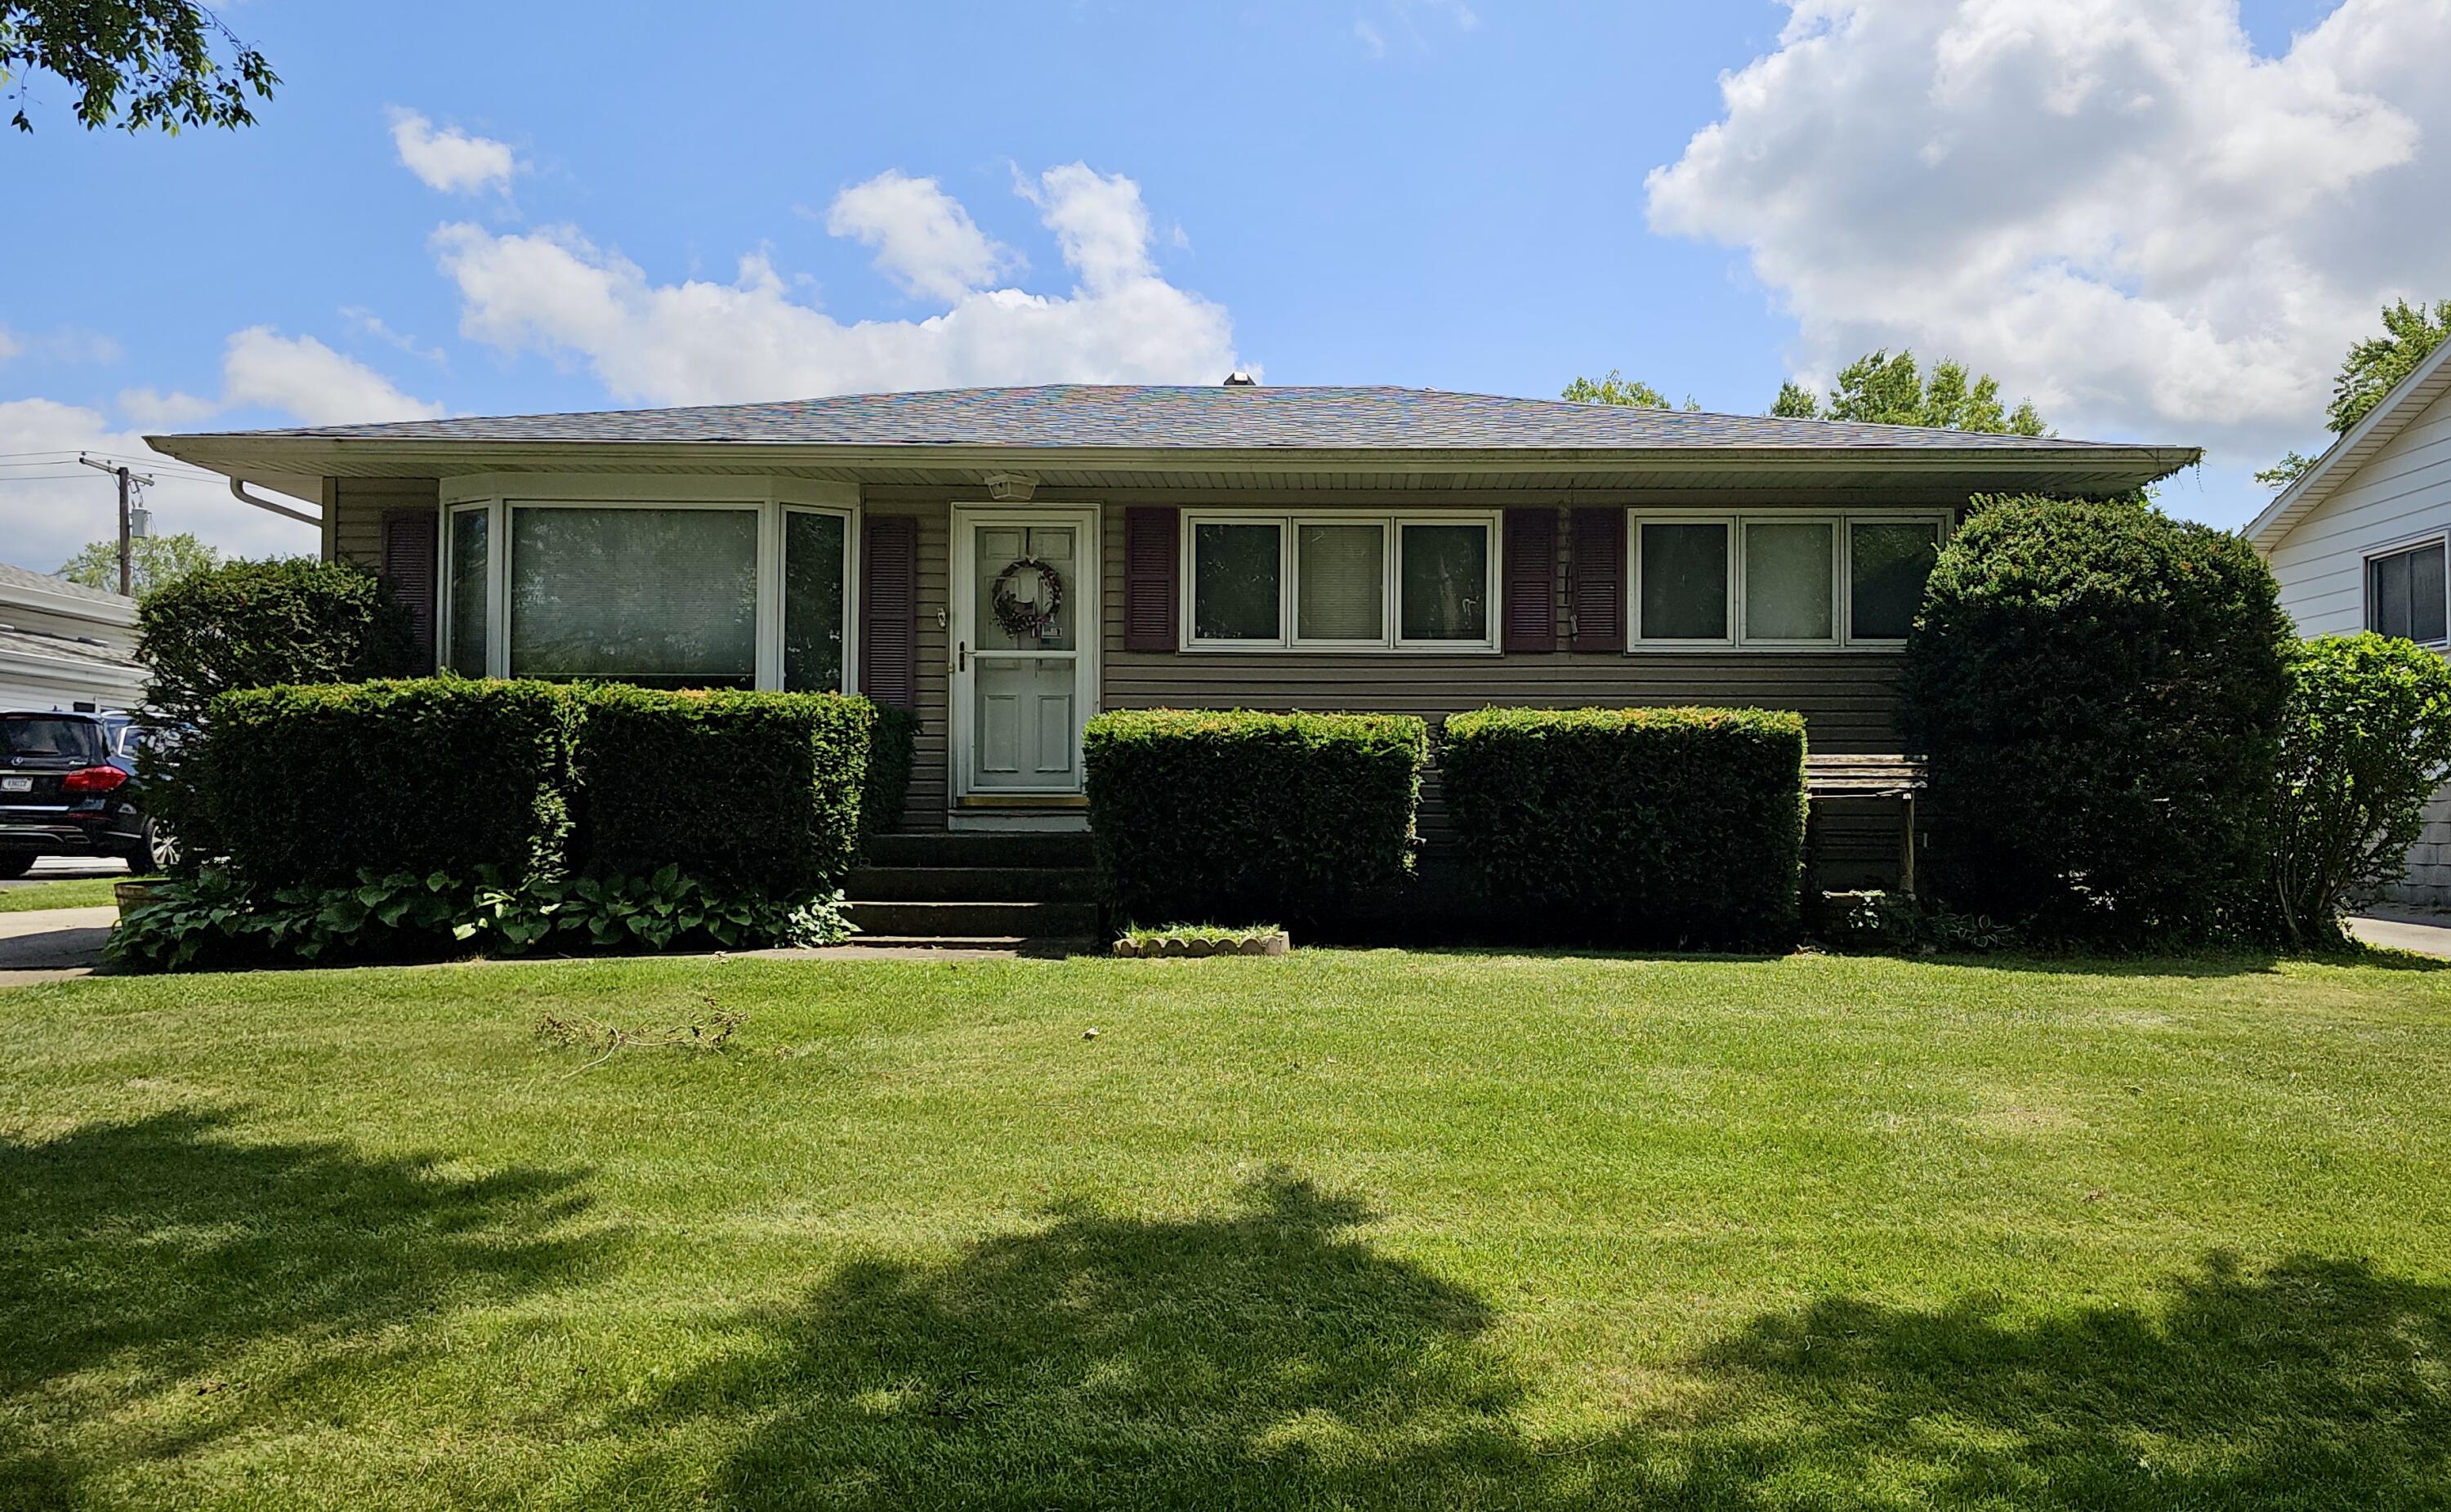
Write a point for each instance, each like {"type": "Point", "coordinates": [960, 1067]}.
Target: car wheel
{"type": "Point", "coordinates": [16, 863]}
{"type": "Point", "coordinates": [157, 850]}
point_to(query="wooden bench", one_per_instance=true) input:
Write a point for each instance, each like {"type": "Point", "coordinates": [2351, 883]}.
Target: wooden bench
{"type": "Point", "coordinates": [1830, 778]}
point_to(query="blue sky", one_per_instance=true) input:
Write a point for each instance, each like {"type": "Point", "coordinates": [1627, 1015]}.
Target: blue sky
{"type": "Point", "coordinates": [1383, 191]}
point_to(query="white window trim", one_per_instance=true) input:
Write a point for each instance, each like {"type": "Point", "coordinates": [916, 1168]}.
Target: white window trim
{"type": "Point", "coordinates": [1391, 523]}
{"type": "Point", "coordinates": [1842, 592]}
{"type": "Point", "coordinates": [2366, 579]}
{"type": "Point", "coordinates": [768, 498]}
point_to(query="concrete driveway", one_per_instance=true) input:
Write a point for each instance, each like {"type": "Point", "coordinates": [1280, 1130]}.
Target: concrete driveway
{"type": "Point", "coordinates": [2421, 929]}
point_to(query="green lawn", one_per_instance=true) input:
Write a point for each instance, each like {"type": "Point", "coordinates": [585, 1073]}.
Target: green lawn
{"type": "Point", "coordinates": [77, 893]}
{"type": "Point", "coordinates": [1351, 1229]}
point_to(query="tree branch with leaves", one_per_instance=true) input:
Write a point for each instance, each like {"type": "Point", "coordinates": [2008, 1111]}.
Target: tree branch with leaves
{"type": "Point", "coordinates": [134, 64]}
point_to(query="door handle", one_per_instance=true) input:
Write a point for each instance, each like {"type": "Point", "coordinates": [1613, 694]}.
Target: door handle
{"type": "Point", "coordinates": [962, 656]}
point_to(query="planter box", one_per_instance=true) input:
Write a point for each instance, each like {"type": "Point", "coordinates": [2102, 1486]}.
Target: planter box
{"type": "Point", "coordinates": [1276, 944]}
{"type": "Point", "coordinates": [127, 894]}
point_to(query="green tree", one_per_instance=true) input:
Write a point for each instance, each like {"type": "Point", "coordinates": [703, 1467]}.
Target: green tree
{"type": "Point", "coordinates": [1630, 393]}
{"type": "Point", "coordinates": [1882, 389]}
{"type": "Point", "coordinates": [2287, 471]}
{"type": "Point", "coordinates": [152, 560]}
{"type": "Point", "coordinates": [2375, 365]}
{"type": "Point", "coordinates": [134, 64]}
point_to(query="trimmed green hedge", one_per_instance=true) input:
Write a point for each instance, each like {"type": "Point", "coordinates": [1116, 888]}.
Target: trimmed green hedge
{"type": "Point", "coordinates": [751, 788]}
{"type": "Point", "coordinates": [1652, 826]}
{"type": "Point", "coordinates": [309, 786]}
{"type": "Point", "coordinates": [891, 748]}
{"type": "Point", "coordinates": [1234, 817]}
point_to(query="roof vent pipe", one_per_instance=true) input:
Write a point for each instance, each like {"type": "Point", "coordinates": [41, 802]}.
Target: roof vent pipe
{"type": "Point", "coordinates": [1238, 378]}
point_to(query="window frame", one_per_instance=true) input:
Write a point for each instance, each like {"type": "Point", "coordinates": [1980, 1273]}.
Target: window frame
{"type": "Point", "coordinates": [770, 499]}
{"type": "Point", "coordinates": [1391, 523]}
{"type": "Point", "coordinates": [1842, 588]}
{"type": "Point", "coordinates": [2438, 539]}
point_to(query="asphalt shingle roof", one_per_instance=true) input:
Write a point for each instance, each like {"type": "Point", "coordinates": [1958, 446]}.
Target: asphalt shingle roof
{"type": "Point", "coordinates": [26, 577]}
{"type": "Point", "coordinates": [1091, 416]}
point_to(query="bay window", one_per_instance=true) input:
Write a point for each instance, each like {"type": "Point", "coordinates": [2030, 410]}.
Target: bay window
{"type": "Point", "coordinates": [1779, 579]}
{"type": "Point", "coordinates": [1341, 581]}
{"type": "Point", "coordinates": [2406, 594]}
{"type": "Point", "coordinates": [674, 590]}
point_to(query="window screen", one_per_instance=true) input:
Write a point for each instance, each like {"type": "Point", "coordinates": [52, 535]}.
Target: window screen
{"type": "Point", "coordinates": [1684, 581]}
{"type": "Point", "coordinates": [1788, 581]}
{"type": "Point", "coordinates": [662, 598]}
{"type": "Point", "coordinates": [468, 619]}
{"type": "Point", "coordinates": [1887, 564]}
{"type": "Point", "coordinates": [813, 601]}
{"type": "Point", "coordinates": [1236, 583]}
{"type": "Point", "coordinates": [1445, 583]}
{"type": "Point", "coordinates": [1340, 582]}
{"type": "Point", "coordinates": [2405, 594]}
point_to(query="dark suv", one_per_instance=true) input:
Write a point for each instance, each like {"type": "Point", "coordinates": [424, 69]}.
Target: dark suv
{"type": "Point", "coordinates": [65, 790]}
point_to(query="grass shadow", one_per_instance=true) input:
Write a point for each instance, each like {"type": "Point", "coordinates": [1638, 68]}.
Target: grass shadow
{"type": "Point", "coordinates": [2315, 1383]}
{"type": "Point", "coordinates": [159, 1253]}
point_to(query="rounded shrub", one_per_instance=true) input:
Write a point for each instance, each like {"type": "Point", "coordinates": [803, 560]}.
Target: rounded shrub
{"type": "Point", "coordinates": [2366, 742]}
{"type": "Point", "coordinates": [2099, 691]}
{"type": "Point", "coordinates": [253, 624]}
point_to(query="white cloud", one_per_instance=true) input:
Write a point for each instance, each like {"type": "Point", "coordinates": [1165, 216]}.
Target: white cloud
{"type": "Point", "coordinates": [925, 241]}
{"type": "Point", "coordinates": [8, 346]}
{"type": "Point", "coordinates": [700, 341]}
{"type": "Point", "coordinates": [450, 159]}
{"type": "Point", "coordinates": [1373, 42]}
{"type": "Point", "coordinates": [304, 377]}
{"type": "Point", "coordinates": [152, 409]}
{"type": "Point", "coordinates": [2114, 205]}
{"type": "Point", "coordinates": [1403, 16]}
{"type": "Point", "coordinates": [50, 509]}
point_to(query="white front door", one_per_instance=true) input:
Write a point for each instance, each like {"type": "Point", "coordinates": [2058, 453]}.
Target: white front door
{"type": "Point", "coordinates": [1024, 619]}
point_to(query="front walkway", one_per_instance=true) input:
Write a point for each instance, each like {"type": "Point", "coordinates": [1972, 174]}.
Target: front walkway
{"type": "Point", "coordinates": [51, 944]}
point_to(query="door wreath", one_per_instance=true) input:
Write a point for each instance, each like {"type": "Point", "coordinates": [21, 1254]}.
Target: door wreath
{"type": "Point", "coordinates": [1027, 621]}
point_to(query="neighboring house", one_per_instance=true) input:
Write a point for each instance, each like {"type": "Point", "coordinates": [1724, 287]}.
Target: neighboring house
{"type": "Point", "coordinates": [63, 645]}
{"type": "Point", "coordinates": [2360, 542]}
{"type": "Point", "coordinates": [1009, 561]}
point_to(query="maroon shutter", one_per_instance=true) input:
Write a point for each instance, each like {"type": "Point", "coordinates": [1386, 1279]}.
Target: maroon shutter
{"type": "Point", "coordinates": [1151, 548]}
{"type": "Point", "coordinates": [889, 610]}
{"type": "Point", "coordinates": [408, 559]}
{"type": "Point", "coordinates": [1528, 613]}
{"type": "Point", "coordinates": [1596, 581]}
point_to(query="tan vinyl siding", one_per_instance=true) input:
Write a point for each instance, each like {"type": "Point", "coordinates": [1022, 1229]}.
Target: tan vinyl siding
{"type": "Point", "coordinates": [358, 505]}
{"type": "Point", "coordinates": [929, 798]}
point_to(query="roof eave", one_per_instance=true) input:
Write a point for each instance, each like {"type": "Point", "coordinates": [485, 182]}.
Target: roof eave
{"type": "Point", "coordinates": [236, 453]}
{"type": "Point", "coordinates": [2353, 449]}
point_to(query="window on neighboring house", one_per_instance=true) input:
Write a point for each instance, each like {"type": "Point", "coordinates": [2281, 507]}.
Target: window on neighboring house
{"type": "Point", "coordinates": [664, 597]}
{"type": "Point", "coordinates": [467, 579]}
{"type": "Point", "coordinates": [2406, 594]}
{"type": "Point", "coordinates": [1772, 579]}
{"type": "Point", "coordinates": [1342, 583]}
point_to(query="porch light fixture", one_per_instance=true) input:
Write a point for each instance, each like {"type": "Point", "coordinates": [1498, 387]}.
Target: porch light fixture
{"type": "Point", "coordinates": [1010, 488]}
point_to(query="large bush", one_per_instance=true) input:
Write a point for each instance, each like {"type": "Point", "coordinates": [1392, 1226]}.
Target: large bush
{"type": "Point", "coordinates": [253, 624]}
{"type": "Point", "coordinates": [312, 786]}
{"type": "Point", "coordinates": [1232, 816]}
{"type": "Point", "coordinates": [892, 744]}
{"type": "Point", "coordinates": [757, 789]}
{"type": "Point", "coordinates": [2366, 742]}
{"type": "Point", "coordinates": [1653, 826]}
{"type": "Point", "coordinates": [2099, 689]}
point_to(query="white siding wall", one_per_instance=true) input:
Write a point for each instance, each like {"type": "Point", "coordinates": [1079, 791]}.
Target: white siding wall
{"type": "Point", "coordinates": [2405, 492]}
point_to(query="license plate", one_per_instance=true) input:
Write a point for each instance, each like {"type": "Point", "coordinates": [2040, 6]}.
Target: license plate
{"type": "Point", "coordinates": [16, 784]}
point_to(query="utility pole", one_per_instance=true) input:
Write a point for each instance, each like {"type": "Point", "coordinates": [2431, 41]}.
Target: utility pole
{"type": "Point", "coordinates": [127, 481]}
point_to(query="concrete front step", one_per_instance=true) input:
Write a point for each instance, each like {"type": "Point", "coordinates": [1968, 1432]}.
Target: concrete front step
{"type": "Point", "coordinates": [971, 920]}
{"type": "Point", "coordinates": [975, 848]}
{"type": "Point", "coordinates": [973, 884]}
